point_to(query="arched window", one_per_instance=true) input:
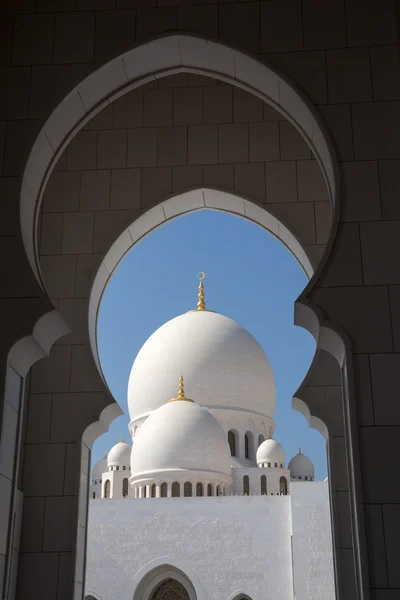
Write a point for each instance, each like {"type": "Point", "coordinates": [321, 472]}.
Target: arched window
{"type": "Point", "coordinates": [218, 490]}
{"type": "Point", "coordinates": [94, 495]}
{"type": "Point", "coordinates": [248, 445]}
{"type": "Point", "coordinates": [283, 485]}
{"type": "Point", "coordinates": [260, 439]}
{"type": "Point", "coordinates": [124, 468]}
{"type": "Point", "coordinates": [145, 491]}
{"type": "Point", "coordinates": [199, 489]}
{"type": "Point", "coordinates": [306, 478]}
{"type": "Point", "coordinates": [263, 485]}
{"type": "Point", "coordinates": [164, 490]}
{"type": "Point", "coordinates": [269, 464]}
{"type": "Point", "coordinates": [107, 488]}
{"type": "Point", "coordinates": [232, 442]}
{"type": "Point", "coordinates": [187, 489]}
{"type": "Point", "coordinates": [125, 485]}
{"type": "Point", "coordinates": [209, 490]}
{"type": "Point", "coordinates": [176, 489]}
{"type": "Point", "coordinates": [276, 464]}
{"type": "Point", "coordinates": [153, 490]}
{"type": "Point", "coordinates": [170, 589]}
{"type": "Point", "coordinates": [246, 485]}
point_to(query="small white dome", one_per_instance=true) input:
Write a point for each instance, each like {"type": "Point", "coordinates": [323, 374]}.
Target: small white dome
{"type": "Point", "coordinates": [119, 455]}
{"type": "Point", "coordinates": [99, 468]}
{"type": "Point", "coordinates": [181, 436]}
{"type": "Point", "coordinates": [224, 366]}
{"type": "Point", "coordinates": [270, 451]}
{"type": "Point", "coordinates": [301, 467]}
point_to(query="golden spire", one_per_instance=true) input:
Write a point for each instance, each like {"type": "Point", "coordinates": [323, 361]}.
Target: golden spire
{"type": "Point", "coordinates": [122, 440]}
{"type": "Point", "coordinates": [201, 305]}
{"type": "Point", "coordinates": [181, 392]}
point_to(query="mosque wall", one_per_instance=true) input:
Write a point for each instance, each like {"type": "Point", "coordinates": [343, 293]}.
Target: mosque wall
{"type": "Point", "coordinates": [312, 541]}
{"type": "Point", "coordinates": [230, 544]}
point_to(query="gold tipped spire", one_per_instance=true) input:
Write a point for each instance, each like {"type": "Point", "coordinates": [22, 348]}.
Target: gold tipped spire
{"type": "Point", "coordinates": [181, 392]}
{"type": "Point", "coordinates": [201, 305]}
{"type": "Point", "coordinates": [122, 440]}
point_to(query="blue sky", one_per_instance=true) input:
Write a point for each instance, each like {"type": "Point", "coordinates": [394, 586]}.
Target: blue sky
{"type": "Point", "coordinates": [251, 278]}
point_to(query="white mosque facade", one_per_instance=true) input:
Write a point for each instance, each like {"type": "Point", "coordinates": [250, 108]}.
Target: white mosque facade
{"type": "Point", "coordinates": [202, 505]}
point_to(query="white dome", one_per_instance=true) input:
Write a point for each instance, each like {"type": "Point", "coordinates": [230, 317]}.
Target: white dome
{"type": "Point", "coordinates": [181, 436]}
{"type": "Point", "coordinates": [270, 451]}
{"type": "Point", "coordinates": [223, 365]}
{"type": "Point", "coordinates": [301, 466]}
{"type": "Point", "coordinates": [119, 455]}
{"type": "Point", "coordinates": [99, 468]}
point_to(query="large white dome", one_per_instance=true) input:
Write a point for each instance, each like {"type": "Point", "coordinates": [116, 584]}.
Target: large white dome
{"type": "Point", "coordinates": [300, 467]}
{"type": "Point", "coordinates": [181, 436]}
{"type": "Point", "coordinates": [223, 365]}
{"type": "Point", "coordinates": [119, 455]}
{"type": "Point", "coordinates": [270, 451]}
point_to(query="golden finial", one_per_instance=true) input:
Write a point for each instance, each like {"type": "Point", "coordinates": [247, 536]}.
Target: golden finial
{"type": "Point", "coordinates": [201, 305]}
{"type": "Point", "coordinates": [122, 440]}
{"type": "Point", "coordinates": [181, 392]}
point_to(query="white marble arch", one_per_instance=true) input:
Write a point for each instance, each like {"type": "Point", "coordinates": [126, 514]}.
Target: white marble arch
{"type": "Point", "coordinates": [160, 57]}
{"type": "Point", "coordinates": [155, 571]}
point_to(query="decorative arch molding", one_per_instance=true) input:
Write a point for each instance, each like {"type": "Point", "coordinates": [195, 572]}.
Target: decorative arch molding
{"type": "Point", "coordinates": [156, 571]}
{"type": "Point", "coordinates": [239, 595]}
{"type": "Point", "coordinates": [161, 57]}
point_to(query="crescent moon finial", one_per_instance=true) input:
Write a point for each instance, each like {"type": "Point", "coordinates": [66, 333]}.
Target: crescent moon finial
{"type": "Point", "coordinates": [201, 276]}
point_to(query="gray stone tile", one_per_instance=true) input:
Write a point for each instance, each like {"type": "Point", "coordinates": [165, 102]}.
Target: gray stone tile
{"type": "Point", "coordinates": [349, 75]}
{"type": "Point", "coordinates": [371, 27]}
{"type": "Point", "coordinates": [292, 145]}
{"type": "Point", "coordinates": [376, 545]}
{"type": "Point", "coordinates": [108, 225]}
{"type": "Point", "coordinates": [391, 519]}
{"type": "Point", "coordinates": [394, 295]}
{"type": "Point", "coordinates": [33, 39]}
{"type": "Point", "coordinates": [376, 127]}
{"type": "Point", "coordinates": [70, 27]}
{"type": "Point", "coordinates": [385, 387]}
{"type": "Point", "coordinates": [250, 181]}
{"type": "Point", "coordinates": [219, 176]}
{"type": "Point", "coordinates": [362, 376]}
{"type": "Point", "coordinates": [202, 144]}
{"type": "Point", "coordinates": [281, 181]}
{"type": "Point", "coordinates": [233, 142]}
{"type": "Point", "coordinates": [74, 312]}
{"type": "Point", "coordinates": [390, 188]}
{"type": "Point", "coordinates": [142, 147]}
{"type": "Point", "coordinates": [52, 374]}
{"type": "Point", "coordinates": [84, 374]}
{"type": "Point", "coordinates": [128, 110]}
{"type": "Point", "coordinates": [32, 524]}
{"type": "Point", "coordinates": [125, 189]}
{"type": "Point", "coordinates": [186, 177]}
{"type": "Point", "coordinates": [38, 422]}
{"type": "Point", "coordinates": [82, 151]}
{"type": "Point", "coordinates": [14, 99]}
{"type": "Point", "coordinates": [38, 575]}
{"type": "Point", "coordinates": [95, 190]}
{"type": "Point", "coordinates": [59, 274]}
{"type": "Point", "coordinates": [157, 108]}
{"type": "Point", "coordinates": [188, 106]}
{"type": "Point", "coordinates": [239, 25]}
{"type": "Point", "coordinates": [77, 235]}
{"type": "Point", "coordinates": [198, 19]}
{"type": "Point", "coordinates": [103, 119]}
{"type": "Point", "coordinates": [44, 458]}
{"type": "Point", "coordinates": [72, 413]}
{"type": "Point", "coordinates": [115, 33]}
{"type": "Point", "coordinates": [278, 33]}
{"type": "Point", "coordinates": [51, 233]}
{"type": "Point", "coordinates": [324, 24]}
{"type": "Point", "coordinates": [217, 104]}
{"type": "Point", "coordinates": [62, 192]}
{"type": "Point", "coordinates": [311, 182]}
{"type": "Point", "coordinates": [172, 146]}
{"type": "Point", "coordinates": [156, 184]}
{"type": "Point", "coordinates": [385, 72]}
{"type": "Point", "coordinates": [380, 247]}
{"type": "Point", "coordinates": [338, 121]}
{"type": "Point", "coordinates": [323, 221]}
{"type": "Point", "coordinates": [361, 201]}
{"type": "Point", "coordinates": [86, 267]}
{"type": "Point", "coordinates": [363, 312]}
{"type": "Point", "coordinates": [112, 149]}
{"type": "Point", "coordinates": [307, 69]}
{"type": "Point", "coordinates": [246, 107]}
{"type": "Point", "coordinates": [263, 141]}
{"type": "Point", "coordinates": [153, 21]}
